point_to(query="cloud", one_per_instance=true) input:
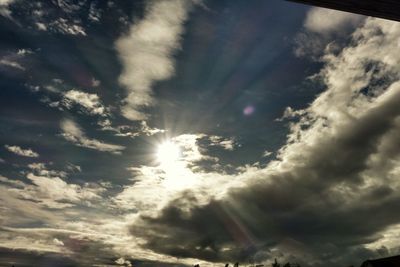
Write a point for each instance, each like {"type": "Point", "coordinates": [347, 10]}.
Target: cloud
{"type": "Point", "coordinates": [122, 261]}
{"type": "Point", "coordinates": [6, 2]}
{"type": "Point", "coordinates": [54, 192]}
{"type": "Point", "coordinates": [91, 103]}
{"type": "Point", "coordinates": [22, 152]}
{"type": "Point", "coordinates": [326, 21]}
{"type": "Point", "coordinates": [129, 130]}
{"type": "Point", "coordinates": [154, 186]}
{"type": "Point", "coordinates": [325, 29]}
{"type": "Point", "coordinates": [4, 8]}
{"type": "Point", "coordinates": [13, 64]}
{"type": "Point", "coordinates": [42, 170]}
{"type": "Point", "coordinates": [49, 189]}
{"type": "Point", "coordinates": [74, 134]}
{"type": "Point", "coordinates": [15, 59]}
{"type": "Point", "coordinates": [331, 191]}
{"type": "Point", "coordinates": [226, 143]}
{"type": "Point", "coordinates": [147, 52]}
{"type": "Point", "coordinates": [15, 183]}
{"type": "Point", "coordinates": [63, 26]}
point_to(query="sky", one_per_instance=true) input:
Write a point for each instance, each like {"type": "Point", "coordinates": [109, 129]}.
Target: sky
{"type": "Point", "coordinates": [182, 132]}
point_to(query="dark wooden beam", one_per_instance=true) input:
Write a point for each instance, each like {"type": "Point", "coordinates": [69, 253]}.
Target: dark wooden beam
{"type": "Point", "coordinates": [387, 9]}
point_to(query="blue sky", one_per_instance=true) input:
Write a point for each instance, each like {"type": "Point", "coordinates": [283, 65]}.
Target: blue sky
{"type": "Point", "coordinates": [171, 132]}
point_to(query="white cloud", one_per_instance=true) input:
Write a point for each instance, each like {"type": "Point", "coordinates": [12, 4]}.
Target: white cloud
{"type": "Point", "coordinates": [54, 192]}
{"type": "Point", "coordinates": [122, 261]}
{"type": "Point", "coordinates": [14, 59]}
{"type": "Point", "coordinates": [15, 183]}
{"type": "Point", "coordinates": [42, 170]}
{"type": "Point", "coordinates": [149, 131]}
{"type": "Point", "coordinates": [6, 2]}
{"type": "Point", "coordinates": [154, 187]}
{"type": "Point", "coordinates": [90, 102]}
{"type": "Point", "coordinates": [60, 25]}
{"type": "Point", "coordinates": [128, 130]}
{"type": "Point", "coordinates": [267, 153]}
{"type": "Point", "coordinates": [226, 143]}
{"type": "Point", "coordinates": [4, 8]}
{"type": "Point", "coordinates": [11, 63]}
{"type": "Point", "coordinates": [74, 134]}
{"type": "Point", "coordinates": [41, 26]}
{"type": "Point", "coordinates": [58, 242]}
{"type": "Point", "coordinates": [342, 155]}
{"type": "Point", "coordinates": [51, 191]}
{"type": "Point", "coordinates": [63, 26]}
{"type": "Point", "coordinates": [326, 21]}
{"type": "Point", "coordinates": [325, 30]}
{"type": "Point", "coordinates": [21, 151]}
{"type": "Point", "coordinates": [147, 52]}
{"type": "Point", "coordinates": [352, 105]}
{"type": "Point", "coordinates": [355, 107]}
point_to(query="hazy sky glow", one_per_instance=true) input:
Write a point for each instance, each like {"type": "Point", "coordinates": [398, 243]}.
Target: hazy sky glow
{"type": "Point", "coordinates": [182, 132]}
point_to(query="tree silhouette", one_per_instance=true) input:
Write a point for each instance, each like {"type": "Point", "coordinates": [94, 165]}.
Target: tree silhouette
{"type": "Point", "coordinates": [276, 264]}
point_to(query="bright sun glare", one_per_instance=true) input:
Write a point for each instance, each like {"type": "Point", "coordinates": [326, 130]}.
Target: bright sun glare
{"type": "Point", "coordinates": [168, 153]}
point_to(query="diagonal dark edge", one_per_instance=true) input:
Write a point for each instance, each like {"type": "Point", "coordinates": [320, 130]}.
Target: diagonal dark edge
{"type": "Point", "coordinates": [387, 9]}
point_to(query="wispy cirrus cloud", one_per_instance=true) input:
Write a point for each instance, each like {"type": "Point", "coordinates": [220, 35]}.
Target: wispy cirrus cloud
{"type": "Point", "coordinates": [25, 152]}
{"type": "Point", "coordinates": [73, 133]}
{"type": "Point", "coordinates": [147, 52]}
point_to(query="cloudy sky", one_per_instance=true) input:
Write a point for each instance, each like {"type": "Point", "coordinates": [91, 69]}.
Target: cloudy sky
{"type": "Point", "coordinates": [182, 132]}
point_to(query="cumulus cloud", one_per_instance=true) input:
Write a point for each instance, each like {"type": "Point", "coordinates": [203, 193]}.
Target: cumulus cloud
{"type": "Point", "coordinates": [326, 21]}
{"type": "Point", "coordinates": [154, 186]}
{"type": "Point", "coordinates": [91, 103]}
{"type": "Point", "coordinates": [325, 29]}
{"type": "Point", "coordinates": [73, 133]}
{"type": "Point", "coordinates": [54, 192]}
{"type": "Point", "coordinates": [42, 170]}
{"type": "Point", "coordinates": [147, 52]}
{"type": "Point", "coordinates": [21, 151]}
{"type": "Point", "coordinates": [63, 26]}
{"type": "Point", "coordinates": [226, 143]}
{"type": "Point", "coordinates": [312, 203]}
{"type": "Point", "coordinates": [4, 8]}
{"type": "Point", "coordinates": [49, 190]}
{"type": "Point", "coordinates": [15, 183]}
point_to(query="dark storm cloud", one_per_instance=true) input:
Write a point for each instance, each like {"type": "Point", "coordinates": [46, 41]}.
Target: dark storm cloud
{"type": "Point", "coordinates": [325, 191]}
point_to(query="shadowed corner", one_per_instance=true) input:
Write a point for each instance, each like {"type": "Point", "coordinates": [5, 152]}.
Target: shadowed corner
{"type": "Point", "coordinates": [386, 9]}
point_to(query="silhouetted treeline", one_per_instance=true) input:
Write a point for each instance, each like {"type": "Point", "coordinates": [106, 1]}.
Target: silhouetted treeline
{"type": "Point", "coordinates": [275, 264]}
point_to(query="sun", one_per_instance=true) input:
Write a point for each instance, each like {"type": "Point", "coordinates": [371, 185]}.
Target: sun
{"type": "Point", "coordinates": [171, 160]}
{"type": "Point", "coordinates": [168, 153]}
